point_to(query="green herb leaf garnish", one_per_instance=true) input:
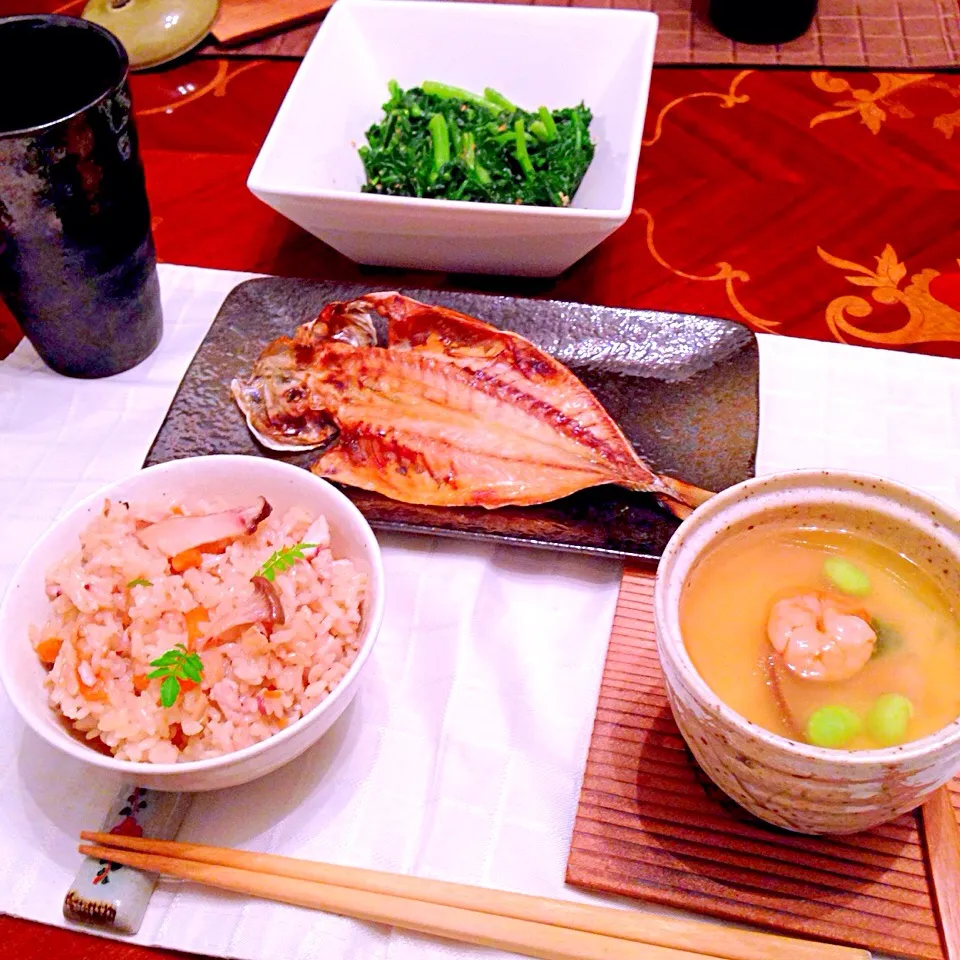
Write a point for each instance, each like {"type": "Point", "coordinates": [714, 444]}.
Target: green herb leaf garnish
{"type": "Point", "coordinates": [284, 559]}
{"type": "Point", "coordinates": [139, 582]}
{"type": "Point", "coordinates": [175, 665]}
{"type": "Point", "coordinates": [169, 691]}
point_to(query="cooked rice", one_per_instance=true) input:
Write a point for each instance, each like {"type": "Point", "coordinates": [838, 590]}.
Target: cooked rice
{"type": "Point", "coordinates": [254, 684]}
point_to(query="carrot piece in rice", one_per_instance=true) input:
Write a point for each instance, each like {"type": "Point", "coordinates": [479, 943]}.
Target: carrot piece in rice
{"type": "Point", "coordinates": [194, 618]}
{"type": "Point", "coordinates": [184, 561]}
{"type": "Point", "coordinates": [48, 649]}
{"type": "Point", "coordinates": [96, 694]}
{"type": "Point", "coordinates": [216, 546]}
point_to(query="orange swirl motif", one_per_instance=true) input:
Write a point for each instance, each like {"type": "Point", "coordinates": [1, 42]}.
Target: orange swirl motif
{"type": "Point", "coordinates": [928, 319]}
{"type": "Point", "coordinates": [872, 106]}
{"type": "Point", "coordinates": [864, 102]}
{"type": "Point", "coordinates": [946, 123]}
{"type": "Point", "coordinates": [217, 86]}
{"type": "Point", "coordinates": [725, 273]}
{"type": "Point", "coordinates": [728, 100]}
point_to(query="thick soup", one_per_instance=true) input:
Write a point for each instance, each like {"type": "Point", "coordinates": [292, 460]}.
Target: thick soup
{"type": "Point", "coordinates": [823, 636]}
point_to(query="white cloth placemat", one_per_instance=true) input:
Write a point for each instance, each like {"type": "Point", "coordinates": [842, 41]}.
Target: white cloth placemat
{"type": "Point", "coordinates": [462, 755]}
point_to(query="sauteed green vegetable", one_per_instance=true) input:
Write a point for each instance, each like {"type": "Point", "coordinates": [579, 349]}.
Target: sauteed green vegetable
{"type": "Point", "coordinates": [443, 142]}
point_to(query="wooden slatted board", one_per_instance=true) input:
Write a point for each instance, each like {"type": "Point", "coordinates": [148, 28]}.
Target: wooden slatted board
{"type": "Point", "coordinates": [876, 34]}
{"type": "Point", "coordinates": [651, 825]}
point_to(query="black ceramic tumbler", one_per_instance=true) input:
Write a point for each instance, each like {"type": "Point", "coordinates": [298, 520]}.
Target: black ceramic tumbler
{"type": "Point", "coordinates": [77, 263]}
{"type": "Point", "coordinates": [762, 21]}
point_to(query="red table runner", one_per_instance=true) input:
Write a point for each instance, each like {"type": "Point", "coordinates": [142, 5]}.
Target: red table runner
{"type": "Point", "coordinates": [814, 204]}
{"type": "Point", "coordinates": [817, 204]}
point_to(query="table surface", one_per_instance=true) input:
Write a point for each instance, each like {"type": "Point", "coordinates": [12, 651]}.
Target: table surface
{"type": "Point", "coordinates": [817, 204]}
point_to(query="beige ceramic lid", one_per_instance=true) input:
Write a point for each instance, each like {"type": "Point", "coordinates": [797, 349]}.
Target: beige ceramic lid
{"type": "Point", "coordinates": [154, 31]}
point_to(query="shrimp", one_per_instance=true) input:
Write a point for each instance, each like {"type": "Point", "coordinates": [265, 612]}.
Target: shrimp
{"type": "Point", "coordinates": [819, 637]}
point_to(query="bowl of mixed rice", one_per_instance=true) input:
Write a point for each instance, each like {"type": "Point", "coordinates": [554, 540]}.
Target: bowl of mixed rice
{"type": "Point", "coordinates": [196, 625]}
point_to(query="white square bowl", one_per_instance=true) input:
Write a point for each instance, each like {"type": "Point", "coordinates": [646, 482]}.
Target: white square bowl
{"type": "Point", "coordinates": [308, 168]}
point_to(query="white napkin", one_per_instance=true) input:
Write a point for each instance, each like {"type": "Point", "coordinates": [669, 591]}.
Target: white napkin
{"type": "Point", "coordinates": [891, 414]}
{"type": "Point", "coordinates": [61, 439]}
{"type": "Point", "coordinates": [462, 755]}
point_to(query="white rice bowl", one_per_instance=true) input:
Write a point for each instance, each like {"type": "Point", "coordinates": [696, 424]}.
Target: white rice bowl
{"type": "Point", "coordinates": [267, 692]}
{"type": "Point", "coordinates": [254, 684]}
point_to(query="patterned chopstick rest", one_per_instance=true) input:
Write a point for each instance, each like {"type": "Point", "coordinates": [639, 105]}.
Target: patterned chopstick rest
{"type": "Point", "coordinates": [110, 895]}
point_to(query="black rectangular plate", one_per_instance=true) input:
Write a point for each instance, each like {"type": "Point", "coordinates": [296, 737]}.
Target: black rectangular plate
{"type": "Point", "coordinates": [684, 390]}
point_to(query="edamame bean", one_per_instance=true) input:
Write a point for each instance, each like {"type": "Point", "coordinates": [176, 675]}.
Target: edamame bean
{"type": "Point", "coordinates": [846, 577]}
{"type": "Point", "coordinates": [888, 718]}
{"type": "Point", "coordinates": [833, 726]}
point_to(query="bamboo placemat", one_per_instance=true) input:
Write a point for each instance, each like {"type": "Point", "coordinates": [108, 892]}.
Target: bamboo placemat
{"type": "Point", "coordinates": [879, 34]}
{"type": "Point", "coordinates": [650, 825]}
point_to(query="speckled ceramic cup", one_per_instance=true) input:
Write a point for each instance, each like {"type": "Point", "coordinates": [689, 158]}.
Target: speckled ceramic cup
{"type": "Point", "coordinates": [794, 785]}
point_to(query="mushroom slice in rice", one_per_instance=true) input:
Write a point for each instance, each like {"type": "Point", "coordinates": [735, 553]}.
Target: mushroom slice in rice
{"type": "Point", "coordinates": [175, 535]}
{"type": "Point", "coordinates": [262, 606]}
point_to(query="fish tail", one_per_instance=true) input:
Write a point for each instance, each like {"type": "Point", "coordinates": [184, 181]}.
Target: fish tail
{"type": "Point", "coordinates": [686, 492]}
{"type": "Point", "coordinates": [681, 498]}
{"type": "Point", "coordinates": [680, 510]}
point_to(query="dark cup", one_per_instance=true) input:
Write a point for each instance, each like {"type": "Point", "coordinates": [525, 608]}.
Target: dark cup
{"type": "Point", "coordinates": [762, 21]}
{"type": "Point", "coordinates": [77, 263]}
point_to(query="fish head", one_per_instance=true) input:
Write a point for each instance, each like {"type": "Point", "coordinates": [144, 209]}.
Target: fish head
{"type": "Point", "coordinates": [350, 322]}
{"type": "Point", "coordinates": [277, 403]}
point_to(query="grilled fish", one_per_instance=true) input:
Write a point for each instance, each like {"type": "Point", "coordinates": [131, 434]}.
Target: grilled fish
{"type": "Point", "coordinates": [451, 412]}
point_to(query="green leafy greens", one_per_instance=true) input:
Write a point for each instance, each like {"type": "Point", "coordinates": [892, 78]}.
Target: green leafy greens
{"type": "Point", "coordinates": [283, 559]}
{"type": "Point", "coordinates": [443, 142]}
{"type": "Point", "coordinates": [175, 665]}
{"type": "Point", "coordinates": [888, 637]}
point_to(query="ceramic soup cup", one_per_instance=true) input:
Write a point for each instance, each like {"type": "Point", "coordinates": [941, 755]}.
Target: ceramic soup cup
{"type": "Point", "coordinates": [795, 785]}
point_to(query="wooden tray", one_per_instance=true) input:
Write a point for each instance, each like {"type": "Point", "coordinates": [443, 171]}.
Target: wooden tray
{"type": "Point", "coordinates": [684, 390]}
{"type": "Point", "coordinates": [651, 825]}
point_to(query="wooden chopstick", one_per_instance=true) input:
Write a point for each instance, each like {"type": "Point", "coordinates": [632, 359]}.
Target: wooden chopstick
{"type": "Point", "coordinates": [468, 926]}
{"type": "Point", "coordinates": [641, 935]}
{"type": "Point", "coordinates": [241, 20]}
{"type": "Point", "coordinates": [942, 840]}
